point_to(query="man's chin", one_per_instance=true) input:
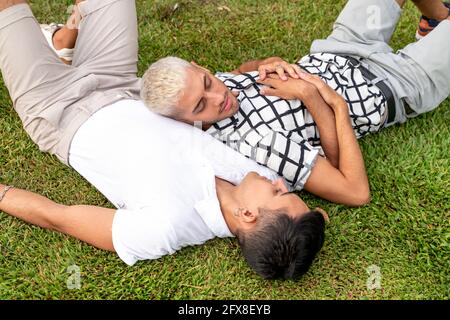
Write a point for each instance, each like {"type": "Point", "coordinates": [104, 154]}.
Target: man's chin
{"type": "Point", "coordinates": [233, 110]}
{"type": "Point", "coordinates": [226, 116]}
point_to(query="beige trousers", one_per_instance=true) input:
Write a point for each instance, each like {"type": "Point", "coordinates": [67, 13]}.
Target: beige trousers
{"type": "Point", "coordinates": [53, 99]}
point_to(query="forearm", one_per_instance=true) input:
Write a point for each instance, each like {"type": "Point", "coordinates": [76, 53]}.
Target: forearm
{"type": "Point", "coordinates": [28, 206]}
{"type": "Point", "coordinates": [351, 161]}
{"type": "Point", "coordinates": [347, 184]}
{"type": "Point", "coordinates": [249, 66]}
{"type": "Point", "coordinates": [254, 65]}
{"type": "Point", "coordinates": [87, 223]}
{"type": "Point", "coordinates": [325, 120]}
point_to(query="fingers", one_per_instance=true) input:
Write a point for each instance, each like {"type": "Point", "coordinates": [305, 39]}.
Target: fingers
{"type": "Point", "coordinates": [292, 71]}
{"type": "Point", "coordinates": [313, 79]}
{"type": "Point", "coordinates": [271, 86]}
{"type": "Point", "coordinates": [298, 70]}
{"type": "Point", "coordinates": [270, 81]}
{"type": "Point", "coordinates": [282, 68]}
{"type": "Point", "coordinates": [273, 76]}
{"type": "Point", "coordinates": [268, 69]}
{"type": "Point", "coordinates": [262, 73]}
{"type": "Point", "coordinates": [281, 72]}
{"type": "Point", "coordinates": [269, 92]}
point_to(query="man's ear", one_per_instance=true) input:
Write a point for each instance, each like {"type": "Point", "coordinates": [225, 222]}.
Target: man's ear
{"type": "Point", "coordinates": [247, 216]}
{"type": "Point", "coordinates": [199, 66]}
{"type": "Point", "coordinates": [324, 214]}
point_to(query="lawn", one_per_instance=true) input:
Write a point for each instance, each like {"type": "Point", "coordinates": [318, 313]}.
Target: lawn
{"type": "Point", "coordinates": [404, 231]}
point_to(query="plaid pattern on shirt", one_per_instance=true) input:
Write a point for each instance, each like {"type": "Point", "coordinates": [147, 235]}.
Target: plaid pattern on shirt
{"type": "Point", "coordinates": [281, 134]}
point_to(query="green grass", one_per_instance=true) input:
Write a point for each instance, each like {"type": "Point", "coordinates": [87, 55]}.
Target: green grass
{"type": "Point", "coordinates": [405, 230]}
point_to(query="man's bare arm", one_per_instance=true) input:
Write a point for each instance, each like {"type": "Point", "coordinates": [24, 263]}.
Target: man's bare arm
{"type": "Point", "coordinates": [87, 223]}
{"type": "Point", "coordinates": [248, 66]}
{"type": "Point", "coordinates": [270, 65]}
{"type": "Point", "coordinates": [348, 183]}
{"type": "Point", "coordinates": [325, 120]}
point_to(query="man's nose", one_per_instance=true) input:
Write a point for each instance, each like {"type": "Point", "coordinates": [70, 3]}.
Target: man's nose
{"type": "Point", "coordinates": [279, 183]}
{"type": "Point", "coordinates": [216, 98]}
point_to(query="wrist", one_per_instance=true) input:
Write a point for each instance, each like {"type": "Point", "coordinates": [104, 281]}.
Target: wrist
{"type": "Point", "coordinates": [3, 190]}
{"type": "Point", "coordinates": [250, 66]}
{"type": "Point", "coordinates": [341, 113]}
{"type": "Point", "coordinates": [308, 98]}
{"type": "Point", "coordinates": [309, 95]}
{"type": "Point", "coordinates": [340, 106]}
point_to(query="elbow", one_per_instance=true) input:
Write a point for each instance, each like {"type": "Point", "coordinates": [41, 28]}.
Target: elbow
{"type": "Point", "coordinates": [364, 199]}
{"type": "Point", "coordinates": [360, 193]}
{"type": "Point", "coordinates": [357, 195]}
{"type": "Point", "coordinates": [360, 198]}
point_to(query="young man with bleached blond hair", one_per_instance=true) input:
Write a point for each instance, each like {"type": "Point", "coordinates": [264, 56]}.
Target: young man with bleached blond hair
{"type": "Point", "coordinates": [302, 120]}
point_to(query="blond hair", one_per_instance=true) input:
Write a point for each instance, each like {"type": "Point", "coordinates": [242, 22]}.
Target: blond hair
{"type": "Point", "coordinates": [162, 85]}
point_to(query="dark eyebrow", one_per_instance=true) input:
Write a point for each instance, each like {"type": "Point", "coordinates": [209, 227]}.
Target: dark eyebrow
{"type": "Point", "coordinates": [204, 86]}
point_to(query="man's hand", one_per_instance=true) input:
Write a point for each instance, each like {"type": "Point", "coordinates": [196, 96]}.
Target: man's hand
{"type": "Point", "coordinates": [288, 89]}
{"type": "Point", "coordinates": [320, 111]}
{"type": "Point", "coordinates": [270, 65]}
{"type": "Point", "coordinates": [279, 66]}
{"type": "Point", "coordinates": [331, 97]}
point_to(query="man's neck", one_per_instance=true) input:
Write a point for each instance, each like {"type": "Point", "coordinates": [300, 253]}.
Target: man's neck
{"type": "Point", "coordinates": [225, 194]}
{"type": "Point", "coordinates": [206, 126]}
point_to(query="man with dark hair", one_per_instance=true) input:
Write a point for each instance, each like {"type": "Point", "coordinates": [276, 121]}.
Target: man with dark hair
{"type": "Point", "coordinates": [282, 246]}
{"type": "Point", "coordinates": [173, 185]}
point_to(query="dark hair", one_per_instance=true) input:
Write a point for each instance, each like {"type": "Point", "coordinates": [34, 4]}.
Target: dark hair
{"type": "Point", "coordinates": [282, 246]}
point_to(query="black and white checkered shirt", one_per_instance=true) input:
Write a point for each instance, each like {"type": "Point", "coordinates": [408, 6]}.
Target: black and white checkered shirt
{"type": "Point", "coordinates": [281, 134]}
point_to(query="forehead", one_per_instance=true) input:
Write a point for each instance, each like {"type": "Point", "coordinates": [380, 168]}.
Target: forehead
{"type": "Point", "coordinates": [293, 203]}
{"type": "Point", "coordinates": [194, 72]}
{"type": "Point", "coordinates": [194, 87]}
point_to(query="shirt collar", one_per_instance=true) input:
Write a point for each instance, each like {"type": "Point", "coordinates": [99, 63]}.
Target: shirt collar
{"type": "Point", "coordinates": [239, 82]}
{"type": "Point", "coordinates": [211, 214]}
{"type": "Point", "coordinates": [209, 208]}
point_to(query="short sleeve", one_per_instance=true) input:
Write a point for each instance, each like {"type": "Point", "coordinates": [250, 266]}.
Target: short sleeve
{"type": "Point", "coordinates": [294, 161]}
{"type": "Point", "coordinates": [142, 235]}
{"type": "Point", "coordinates": [223, 76]}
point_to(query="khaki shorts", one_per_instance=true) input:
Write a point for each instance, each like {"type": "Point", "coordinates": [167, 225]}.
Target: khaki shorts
{"type": "Point", "coordinates": [419, 74]}
{"type": "Point", "coordinates": [53, 99]}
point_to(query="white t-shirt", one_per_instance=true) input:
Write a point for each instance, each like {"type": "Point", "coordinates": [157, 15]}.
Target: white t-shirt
{"type": "Point", "coordinates": [160, 173]}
